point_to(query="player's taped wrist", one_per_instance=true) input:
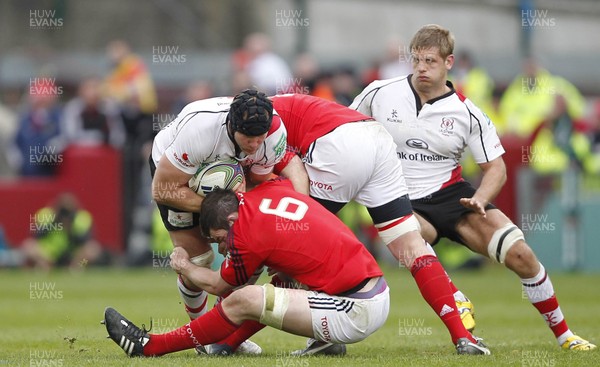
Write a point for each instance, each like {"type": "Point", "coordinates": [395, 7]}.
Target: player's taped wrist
{"type": "Point", "coordinates": [204, 260]}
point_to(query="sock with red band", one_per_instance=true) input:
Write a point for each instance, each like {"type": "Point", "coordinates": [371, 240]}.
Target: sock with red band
{"type": "Point", "coordinates": [249, 328]}
{"type": "Point", "coordinates": [435, 289]}
{"type": "Point", "coordinates": [208, 328]}
{"type": "Point", "coordinates": [540, 293]}
{"type": "Point", "coordinates": [195, 301]}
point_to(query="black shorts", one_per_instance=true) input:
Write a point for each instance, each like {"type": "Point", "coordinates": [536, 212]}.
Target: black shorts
{"type": "Point", "coordinates": [174, 219]}
{"type": "Point", "coordinates": [443, 209]}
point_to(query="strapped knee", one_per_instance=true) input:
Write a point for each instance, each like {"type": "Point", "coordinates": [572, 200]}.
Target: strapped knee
{"type": "Point", "coordinates": [275, 305]}
{"type": "Point", "coordinates": [502, 240]}
{"type": "Point", "coordinates": [392, 229]}
{"type": "Point", "coordinates": [205, 260]}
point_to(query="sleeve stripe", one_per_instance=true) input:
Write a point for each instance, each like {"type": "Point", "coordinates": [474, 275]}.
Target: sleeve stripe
{"type": "Point", "coordinates": [471, 117]}
{"type": "Point", "coordinates": [236, 261]}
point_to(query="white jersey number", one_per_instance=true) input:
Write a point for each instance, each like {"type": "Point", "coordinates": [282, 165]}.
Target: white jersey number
{"type": "Point", "coordinates": [282, 207]}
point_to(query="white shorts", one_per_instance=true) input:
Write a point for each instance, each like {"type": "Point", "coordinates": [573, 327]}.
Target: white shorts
{"type": "Point", "coordinates": [346, 320]}
{"type": "Point", "coordinates": [356, 161]}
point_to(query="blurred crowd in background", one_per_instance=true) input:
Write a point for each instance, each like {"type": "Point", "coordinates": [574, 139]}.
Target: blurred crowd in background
{"type": "Point", "coordinates": [124, 110]}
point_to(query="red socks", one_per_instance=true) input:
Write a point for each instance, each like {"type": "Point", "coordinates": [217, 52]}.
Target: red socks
{"type": "Point", "coordinates": [435, 289]}
{"type": "Point", "coordinates": [207, 329]}
{"type": "Point", "coordinates": [245, 331]}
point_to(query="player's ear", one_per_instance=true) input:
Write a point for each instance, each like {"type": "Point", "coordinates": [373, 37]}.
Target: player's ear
{"type": "Point", "coordinates": [449, 61]}
{"type": "Point", "coordinates": [231, 218]}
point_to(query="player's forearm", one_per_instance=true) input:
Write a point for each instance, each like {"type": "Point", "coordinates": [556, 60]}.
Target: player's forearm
{"type": "Point", "coordinates": [297, 174]}
{"type": "Point", "coordinates": [180, 197]}
{"type": "Point", "coordinates": [492, 181]}
{"type": "Point", "coordinates": [205, 279]}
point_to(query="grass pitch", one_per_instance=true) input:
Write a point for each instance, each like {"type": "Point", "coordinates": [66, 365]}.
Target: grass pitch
{"type": "Point", "coordinates": [53, 320]}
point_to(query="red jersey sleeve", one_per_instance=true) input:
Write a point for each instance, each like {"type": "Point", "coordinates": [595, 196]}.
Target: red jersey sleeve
{"type": "Point", "coordinates": [290, 152]}
{"type": "Point", "coordinates": [240, 263]}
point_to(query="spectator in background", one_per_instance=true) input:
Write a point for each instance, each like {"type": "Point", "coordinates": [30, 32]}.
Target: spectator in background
{"type": "Point", "coordinates": [195, 91]}
{"type": "Point", "coordinates": [129, 81]}
{"type": "Point", "coordinates": [130, 84]}
{"type": "Point", "coordinates": [545, 110]}
{"type": "Point", "coordinates": [306, 71]}
{"type": "Point", "coordinates": [474, 83]}
{"type": "Point", "coordinates": [344, 85]}
{"type": "Point", "coordinates": [594, 136]}
{"type": "Point", "coordinates": [90, 119]}
{"type": "Point", "coordinates": [61, 236]}
{"type": "Point", "coordinates": [266, 71]}
{"type": "Point", "coordinates": [396, 60]}
{"type": "Point", "coordinates": [531, 97]}
{"type": "Point", "coordinates": [395, 63]}
{"type": "Point", "coordinates": [36, 144]}
{"type": "Point", "coordinates": [595, 127]}
{"type": "Point", "coordinates": [8, 129]}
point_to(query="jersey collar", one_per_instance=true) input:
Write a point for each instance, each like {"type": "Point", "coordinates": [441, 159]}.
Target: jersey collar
{"type": "Point", "coordinates": [418, 103]}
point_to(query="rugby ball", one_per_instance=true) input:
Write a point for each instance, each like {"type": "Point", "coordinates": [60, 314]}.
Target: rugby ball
{"type": "Point", "coordinates": [225, 174]}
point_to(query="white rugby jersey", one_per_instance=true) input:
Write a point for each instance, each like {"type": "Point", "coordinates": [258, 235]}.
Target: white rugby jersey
{"type": "Point", "coordinates": [199, 135]}
{"type": "Point", "coordinates": [431, 138]}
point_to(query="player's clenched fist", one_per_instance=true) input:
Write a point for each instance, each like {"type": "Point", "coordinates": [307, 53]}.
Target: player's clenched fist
{"type": "Point", "coordinates": [180, 260]}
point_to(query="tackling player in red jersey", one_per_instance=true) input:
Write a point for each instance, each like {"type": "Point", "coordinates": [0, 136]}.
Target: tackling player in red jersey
{"type": "Point", "coordinates": [274, 226]}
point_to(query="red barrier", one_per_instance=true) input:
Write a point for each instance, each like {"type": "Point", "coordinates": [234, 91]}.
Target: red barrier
{"type": "Point", "coordinates": [513, 158]}
{"type": "Point", "coordinates": [92, 174]}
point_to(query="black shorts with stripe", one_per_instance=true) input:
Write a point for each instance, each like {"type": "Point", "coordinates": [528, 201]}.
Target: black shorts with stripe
{"type": "Point", "coordinates": [164, 210]}
{"type": "Point", "coordinates": [443, 209]}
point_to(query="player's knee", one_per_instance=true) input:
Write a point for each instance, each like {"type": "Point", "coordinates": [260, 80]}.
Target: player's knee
{"type": "Point", "coordinates": [395, 228]}
{"type": "Point", "coordinates": [275, 304]}
{"type": "Point", "coordinates": [520, 257]}
{"type": "Point", "coordinates": [503, 240]}
{"type": "Point", "coordinates": [244, 303]}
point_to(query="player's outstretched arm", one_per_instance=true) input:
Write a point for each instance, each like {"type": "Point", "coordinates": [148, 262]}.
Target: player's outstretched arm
{"type": "Point", "coordinates": [297, 174]}
{"type": "Point", "coordinates": [494, 177]}
{"type": "Point", "coordinates": [204, 278]}
{"type": "Point", "coordinates": [170, 187]}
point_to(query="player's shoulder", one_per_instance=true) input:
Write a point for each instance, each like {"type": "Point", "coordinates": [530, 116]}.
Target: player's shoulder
{"type": "Point", "coordinates": [397, 82]}
{"type": "Point", "coordinates": [464, 102]}
{"type": "Point", "coordinates": [277, 127]}
{"type": "Point", "coordinates": [381, 89]}
{"type": "Point", "coordinates": [276, 140]}
{"type": "Point", "coordinates": [210, 105]}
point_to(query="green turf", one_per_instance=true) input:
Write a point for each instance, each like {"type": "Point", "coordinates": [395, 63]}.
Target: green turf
{"type": "Point", "coordinates": [53, 320]}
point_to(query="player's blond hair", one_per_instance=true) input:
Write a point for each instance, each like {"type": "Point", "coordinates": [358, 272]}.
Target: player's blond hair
{"type": "Point", "coordinates": [433, 35]}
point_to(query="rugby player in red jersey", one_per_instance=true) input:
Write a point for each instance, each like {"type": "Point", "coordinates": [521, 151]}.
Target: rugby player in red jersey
{"type": "Point", "coordinates": [349, 156]}
{"type": "Point", "coordinates": [273, 225]}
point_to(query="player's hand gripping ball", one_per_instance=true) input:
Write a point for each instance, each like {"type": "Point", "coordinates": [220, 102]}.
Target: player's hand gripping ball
{"type": "Point", "coordinates": [225, 174]}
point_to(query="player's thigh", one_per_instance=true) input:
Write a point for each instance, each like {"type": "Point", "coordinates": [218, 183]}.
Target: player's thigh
{"type": "Point", "coordinates": [298, 319]}
{"type": "Point", "coordinates": [339, 164]}
{"type": "Point", "coordinates": [428, 231]}
{"type": "Point", "coordinates": [386, 180]}
{"type": "Point", "coordinates": [190, 240]}
{"type": "Point", "coordinates": [477, 231]}
{"type": "Point", "coordinates": [347, 320]}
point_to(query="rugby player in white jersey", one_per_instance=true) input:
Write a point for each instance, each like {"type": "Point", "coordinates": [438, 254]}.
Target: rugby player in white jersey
{"type": "Point", "coordinates": [205, 131]}
{"type": "Point", "coordinates": [432, 125]}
